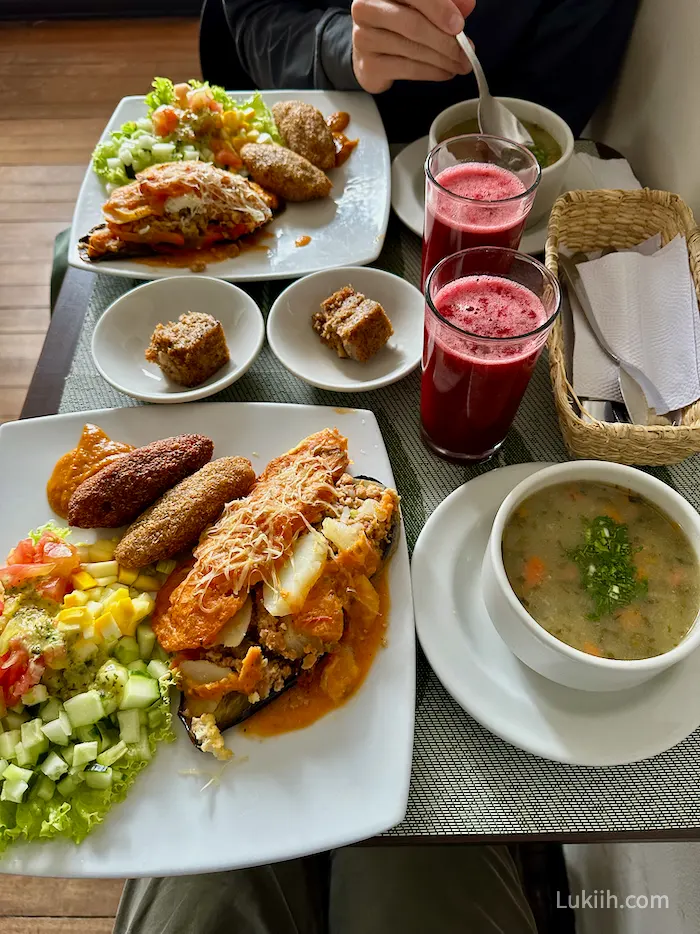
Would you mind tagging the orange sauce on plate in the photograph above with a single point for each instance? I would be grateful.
(337, 124)
(93, 452)
(306, 701)
(304, 240)
(198, 260)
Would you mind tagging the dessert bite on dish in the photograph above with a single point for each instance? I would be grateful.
(189, 350)
(352, 324)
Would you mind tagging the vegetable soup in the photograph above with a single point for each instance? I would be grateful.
(602, 569)
(545, 148)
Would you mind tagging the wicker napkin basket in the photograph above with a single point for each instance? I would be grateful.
(590, 220)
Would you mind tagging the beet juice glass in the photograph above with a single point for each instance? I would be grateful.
(488, 313)
(478, 192)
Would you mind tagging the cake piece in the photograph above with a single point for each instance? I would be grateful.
(353, 325)
(189, 350)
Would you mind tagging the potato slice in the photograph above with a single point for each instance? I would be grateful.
(297, 576)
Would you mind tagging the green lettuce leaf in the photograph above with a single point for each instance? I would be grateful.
(74, 817)
(163, 93)
(59, 530)
(264, 121)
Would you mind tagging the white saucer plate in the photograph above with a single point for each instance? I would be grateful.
(297, 346)
(124, 332)
(408, 196)
(488, 681)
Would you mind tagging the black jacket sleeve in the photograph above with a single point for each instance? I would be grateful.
(292, 43)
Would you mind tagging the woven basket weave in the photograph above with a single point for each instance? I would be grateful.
(591, 220)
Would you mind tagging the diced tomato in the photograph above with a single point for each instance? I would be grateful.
(53, 588)
(18, 673)
(14, 575)
(63, 557)
(200, 99)
(181, 92)
(215, 106)
(165, 120)
(24, 552)
(51, 557)
(228, 158)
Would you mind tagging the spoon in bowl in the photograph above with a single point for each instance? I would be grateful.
(494, 117)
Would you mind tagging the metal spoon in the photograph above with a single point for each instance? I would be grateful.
(494, 117)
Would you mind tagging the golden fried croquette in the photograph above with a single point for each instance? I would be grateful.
(306, 132)
(120, 491)
(285, 173)
(180, 516)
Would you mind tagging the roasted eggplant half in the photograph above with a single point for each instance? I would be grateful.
(287, 627)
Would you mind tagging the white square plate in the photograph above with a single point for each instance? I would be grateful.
(346, 229)
(341, 780)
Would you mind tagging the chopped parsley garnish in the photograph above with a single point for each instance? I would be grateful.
(606, 567)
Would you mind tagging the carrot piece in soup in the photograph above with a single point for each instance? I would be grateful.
(534, 571)
(677, 576)
(592, 649)
(630, 619)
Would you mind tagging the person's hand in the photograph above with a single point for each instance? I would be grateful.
(411, 40)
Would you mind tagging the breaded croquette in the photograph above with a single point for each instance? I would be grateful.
(180, 516)
(285, 173)
(121, 491)
(306, 132)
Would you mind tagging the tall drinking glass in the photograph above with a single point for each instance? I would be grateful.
(478, 192)
(488, 313)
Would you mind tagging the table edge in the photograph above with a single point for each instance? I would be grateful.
(46, 387)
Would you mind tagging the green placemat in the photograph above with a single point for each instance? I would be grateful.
(465, 780)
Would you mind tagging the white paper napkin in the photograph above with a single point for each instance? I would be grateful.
(647, 309)
(589, 173)
(595, 374)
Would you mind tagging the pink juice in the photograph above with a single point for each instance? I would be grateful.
(487, 219)
(471, 388)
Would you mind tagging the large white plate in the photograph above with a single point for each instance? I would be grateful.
(346, 229)
(488, 681)
(408, 196)
(341, 780)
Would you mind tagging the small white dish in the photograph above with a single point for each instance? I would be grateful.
(482, 674)
(124, 332)
(297, 346)
(536, 647)
(408, 196)
(552, 177)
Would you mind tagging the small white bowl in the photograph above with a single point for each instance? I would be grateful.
(124, 331)
(297, 346)
(552, 179)
(536, 647)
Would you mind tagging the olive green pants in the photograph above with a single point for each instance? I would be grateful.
(359, 890)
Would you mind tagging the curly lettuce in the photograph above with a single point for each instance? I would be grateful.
(76, 816)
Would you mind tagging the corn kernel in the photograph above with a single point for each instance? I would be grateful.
(126, 576)
(252, 135)
(120, 592)
(248, 113)
(77, 614)
(230, 120)
(75, 598)
(83, 581)
(124, 614)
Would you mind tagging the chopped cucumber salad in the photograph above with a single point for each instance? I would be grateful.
(185, 121)
(72, 743)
